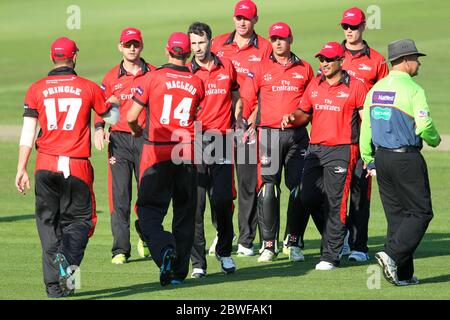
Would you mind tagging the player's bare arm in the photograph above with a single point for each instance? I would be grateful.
(101, 135)
(132, 118)
(297, 118)
(26, 144)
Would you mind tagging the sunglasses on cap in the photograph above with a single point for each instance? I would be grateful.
(322, 59)
(345, 26)
(128, 44)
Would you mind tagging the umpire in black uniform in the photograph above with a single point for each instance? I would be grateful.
(396, 120)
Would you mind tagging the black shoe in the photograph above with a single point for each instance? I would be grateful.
(54, 291)
(166, 271)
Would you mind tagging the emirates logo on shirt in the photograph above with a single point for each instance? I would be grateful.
(112, 160)
(267, 77)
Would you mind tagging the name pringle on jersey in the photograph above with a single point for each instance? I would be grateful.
(61, 89)
(181, 85)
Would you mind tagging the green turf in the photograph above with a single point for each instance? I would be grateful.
(22, 279)
(28, 28)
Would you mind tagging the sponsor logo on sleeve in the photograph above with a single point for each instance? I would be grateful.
(250, 74)
(139, 90)
(423, 114)
(103, 87)
(383, 97)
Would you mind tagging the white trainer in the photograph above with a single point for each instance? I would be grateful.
(198, 273)
(212, 248)
(267, 256)
(244, 252)
(325, 265)
(358, 256)
(227, 264)
(296, 254)
(389, 267)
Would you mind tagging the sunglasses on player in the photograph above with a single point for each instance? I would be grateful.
(322, 59)
(345, 26)
(128, 44)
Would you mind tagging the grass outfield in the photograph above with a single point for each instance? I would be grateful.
(20, 265)
(28, 28)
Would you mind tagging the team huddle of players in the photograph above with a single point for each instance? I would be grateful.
(254, 95)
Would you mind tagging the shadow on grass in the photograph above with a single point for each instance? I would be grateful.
(17, 218)
(438, 279)
(280, 267)
(432, 245)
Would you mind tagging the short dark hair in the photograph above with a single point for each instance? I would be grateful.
(179, 56)
(62, 61)
(200, 29)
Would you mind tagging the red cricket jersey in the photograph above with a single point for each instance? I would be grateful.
(367, 65)
(171, 95)
(276, 88)
(216, 109)
(62, 102)
(244, 59)
(334, 109)
(120, 83)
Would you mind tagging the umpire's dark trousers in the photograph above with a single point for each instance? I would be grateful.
(160, 183)
(325, 189)
(215, 179)
(405, 193)
(124, 153)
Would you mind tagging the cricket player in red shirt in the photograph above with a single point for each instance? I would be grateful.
(276, 86)
(369, 66)
(332, 103)
(124, 150)
(171, 95)
(65, 201)
(245, 49)
(215, 173)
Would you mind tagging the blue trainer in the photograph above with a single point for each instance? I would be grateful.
(166, 272)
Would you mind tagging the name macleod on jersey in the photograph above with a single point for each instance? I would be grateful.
(177, 84)
(61, 89)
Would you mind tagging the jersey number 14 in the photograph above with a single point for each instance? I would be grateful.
(181, 112)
